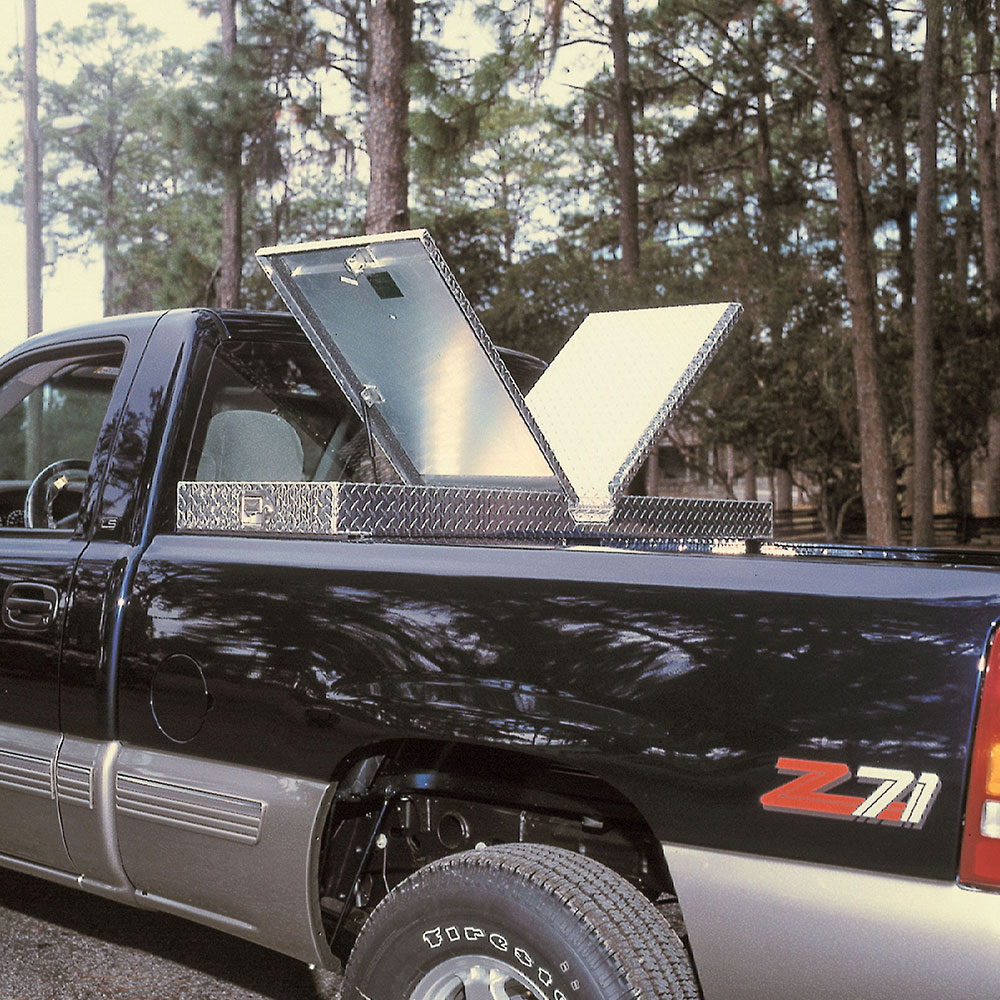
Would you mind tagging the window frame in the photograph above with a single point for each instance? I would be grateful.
(65, 354)
(206, 401)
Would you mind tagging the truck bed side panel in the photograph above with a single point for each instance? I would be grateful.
(679, 679)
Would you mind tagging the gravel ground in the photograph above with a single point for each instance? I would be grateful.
(61, 944)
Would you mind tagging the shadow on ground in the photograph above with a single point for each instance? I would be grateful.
(60, 943)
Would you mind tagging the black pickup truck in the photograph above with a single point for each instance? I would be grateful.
(339, 631)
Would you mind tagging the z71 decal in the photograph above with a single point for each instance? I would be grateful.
(900, 798)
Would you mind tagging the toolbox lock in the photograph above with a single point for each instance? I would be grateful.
(254, 510)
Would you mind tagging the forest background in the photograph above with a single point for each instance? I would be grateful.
(831, 164)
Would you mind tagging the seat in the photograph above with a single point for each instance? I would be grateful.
(250, 446)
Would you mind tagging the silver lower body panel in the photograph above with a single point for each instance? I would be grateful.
(227, 846)
(786, 930)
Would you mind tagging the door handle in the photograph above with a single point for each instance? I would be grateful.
(30, 607)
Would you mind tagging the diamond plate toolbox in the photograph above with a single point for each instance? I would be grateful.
(400, 511)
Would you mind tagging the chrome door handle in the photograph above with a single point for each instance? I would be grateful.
(30, 607)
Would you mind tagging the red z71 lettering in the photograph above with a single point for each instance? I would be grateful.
(900, 798)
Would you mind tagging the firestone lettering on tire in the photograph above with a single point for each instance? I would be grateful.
(437, 936)
(900, 798)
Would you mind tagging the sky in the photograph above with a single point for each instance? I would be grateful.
(71, 286)
(71, 291)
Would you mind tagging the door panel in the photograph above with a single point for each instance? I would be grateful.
(31, 562)
(53, 407)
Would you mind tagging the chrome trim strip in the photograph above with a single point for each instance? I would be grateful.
(786, 930)
(25, 772)
(189, 808)
(75, 783)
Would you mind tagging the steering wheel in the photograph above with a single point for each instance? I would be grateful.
(68, 474)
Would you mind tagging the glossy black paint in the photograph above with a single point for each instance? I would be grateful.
(29, 659)
(678, 679)
(136, 446)
(30, 663)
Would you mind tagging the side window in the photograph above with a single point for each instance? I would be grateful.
(272, 412)
(51, 414)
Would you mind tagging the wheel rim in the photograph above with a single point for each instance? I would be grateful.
(475, 977)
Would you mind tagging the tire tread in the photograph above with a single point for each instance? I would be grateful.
(650, 958)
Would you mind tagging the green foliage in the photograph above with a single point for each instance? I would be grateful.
(457, 106)
(516, 176)
(229, 98)
(115, 182)
(966, 350)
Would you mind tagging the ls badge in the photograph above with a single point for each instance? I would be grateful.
(900, 798)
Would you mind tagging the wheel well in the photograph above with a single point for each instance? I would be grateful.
(399, 806)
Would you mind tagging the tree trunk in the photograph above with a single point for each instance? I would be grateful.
(111, 283)
(628, 184)
(990, 217)
(963, 184)
(114, 293)
(763, 172)
(232, 195)
(387, 129)
(878, 481)
(32, 172)
(653, 472)
(783, 502)
(33, 228)
(750, 480)
(926, 275)
(897, 144)
(963, 500)
(965, 220)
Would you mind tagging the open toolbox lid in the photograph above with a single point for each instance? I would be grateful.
(398, 335)
(391, 323)
(603, 402)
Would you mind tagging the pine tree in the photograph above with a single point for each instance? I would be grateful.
(878, 481)
(925, 282)
(387, 129)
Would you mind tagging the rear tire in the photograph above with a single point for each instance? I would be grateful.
(517, 922)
